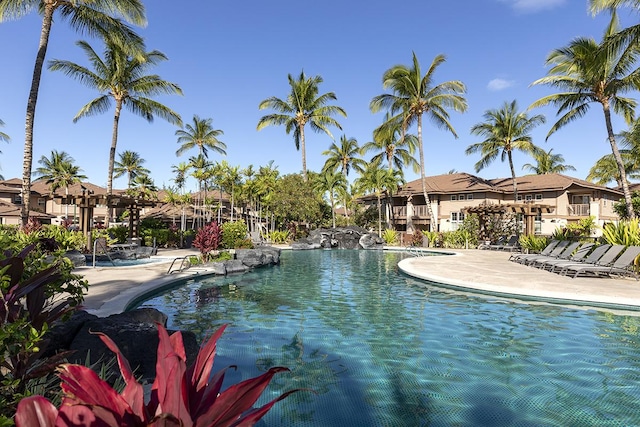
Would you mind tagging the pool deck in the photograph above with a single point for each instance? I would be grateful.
(477, 271)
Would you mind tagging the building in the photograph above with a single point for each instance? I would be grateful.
(544, 202)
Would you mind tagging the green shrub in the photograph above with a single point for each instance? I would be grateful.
(390, 236)
(624, 233)
(434, 238)
(278, 236)
(119, 233)
(222, 256)
(233, 233)
(532, 243)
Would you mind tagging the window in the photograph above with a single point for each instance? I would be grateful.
(457, 218)
(519, 197)
(538, 196)
(41, 201)
(528, 197)
(17, 199)
(454, 197)
(469, 196)
(461, 197)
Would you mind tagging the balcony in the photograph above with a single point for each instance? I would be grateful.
(419, 211)
(578, 210)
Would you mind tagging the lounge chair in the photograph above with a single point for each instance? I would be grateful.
(500, 242)
(619, 267)
(512, 244)
(556, 250)
(565, 255)
(592, 259)
(577, 256)
(546, 251)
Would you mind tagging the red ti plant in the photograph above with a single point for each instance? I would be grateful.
(208, 238)
(179, 396)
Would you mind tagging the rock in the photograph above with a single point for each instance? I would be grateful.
(218, 268)
(77, 258)
(61, 334)
(259, 257)
(134, 332)
(341, 238)
(235, 266)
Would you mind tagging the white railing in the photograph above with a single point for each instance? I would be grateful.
(578, 210)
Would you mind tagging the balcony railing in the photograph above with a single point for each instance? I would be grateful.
(419, 211)
(578, 210)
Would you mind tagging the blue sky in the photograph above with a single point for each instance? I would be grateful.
(229, 56)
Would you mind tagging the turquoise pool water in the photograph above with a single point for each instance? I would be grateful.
(382, 349)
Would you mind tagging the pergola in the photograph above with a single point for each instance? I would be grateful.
(528, 210)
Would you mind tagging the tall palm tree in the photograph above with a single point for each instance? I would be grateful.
(231, 182)
(143, 187)
(414, 95)
(625, 36)
(344, 157)
(303, 105)
(547, 163)
(505, 130)
(379, 181)
(123, 79)
(589, 72)
(330, 182)
(59, 171)
(202, 135)
(93, 17)
(130, 163)
(392, 146)
(181, 170)
(200, 164)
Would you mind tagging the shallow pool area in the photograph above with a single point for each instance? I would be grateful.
(382, 349)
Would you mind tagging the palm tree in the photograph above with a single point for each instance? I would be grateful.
(181, 170)
(331, 182)
(586, 72)
(344, 157)
(414, 95)
(202, 135)
(547, 163)
(143, 187)
(625, 36)
(606, 169)
(391, 146)
(231, 181)
(303, 105)
(379, 181)
(94, 17)
(130, 163)
(122, 78)
(505, 130)
(200, 164)
(59, 171)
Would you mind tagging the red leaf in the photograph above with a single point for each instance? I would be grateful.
(178, 345)
(199, 372)
(254, 415)
(170, 382)
(83, 386)
(133, 392)
(210, 394)
(36, 411)
(73, 414)
(237, 399)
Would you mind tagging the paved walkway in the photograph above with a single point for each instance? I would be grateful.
(490, 272)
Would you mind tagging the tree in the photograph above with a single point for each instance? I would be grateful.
(605, 170)
(331, 182)
(143, 187)
(547, 163)
(123, 78)
(231, 181)
(202, 135)
(414, 95)
(59, 171)
(505, 130)
(589, 72)
(392, 146)
(379, 181)
(200, 164)
(130, 163)
(303, 105)
(93, 17)
(625, 36)
(293, 200)
(343, 158)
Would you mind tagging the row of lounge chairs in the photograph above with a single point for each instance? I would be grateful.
(583, 259)
(511, 245)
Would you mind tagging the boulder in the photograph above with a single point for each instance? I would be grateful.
(77, 258)
(235, 266)
(259, 257)
(341, 238)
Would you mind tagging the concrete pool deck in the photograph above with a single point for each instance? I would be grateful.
(111, 290)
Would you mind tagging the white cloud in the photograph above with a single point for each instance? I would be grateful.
(532, 6)
(500, 84)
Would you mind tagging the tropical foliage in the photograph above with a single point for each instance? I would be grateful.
(547, 163)
(623, 233)
(200, 134)
(180, 396)
(302, 106)
(208, 239)
(234, 235)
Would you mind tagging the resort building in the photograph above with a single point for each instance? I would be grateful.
(544, 202)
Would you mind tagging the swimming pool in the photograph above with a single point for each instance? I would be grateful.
(383, 349)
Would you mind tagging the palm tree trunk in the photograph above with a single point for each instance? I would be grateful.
(304, 153)
(112, 158)
(66, 205)
(513, 177)
(616, 155)
(333, 209)
(47, 20)
(379, 216)
(427, 200)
